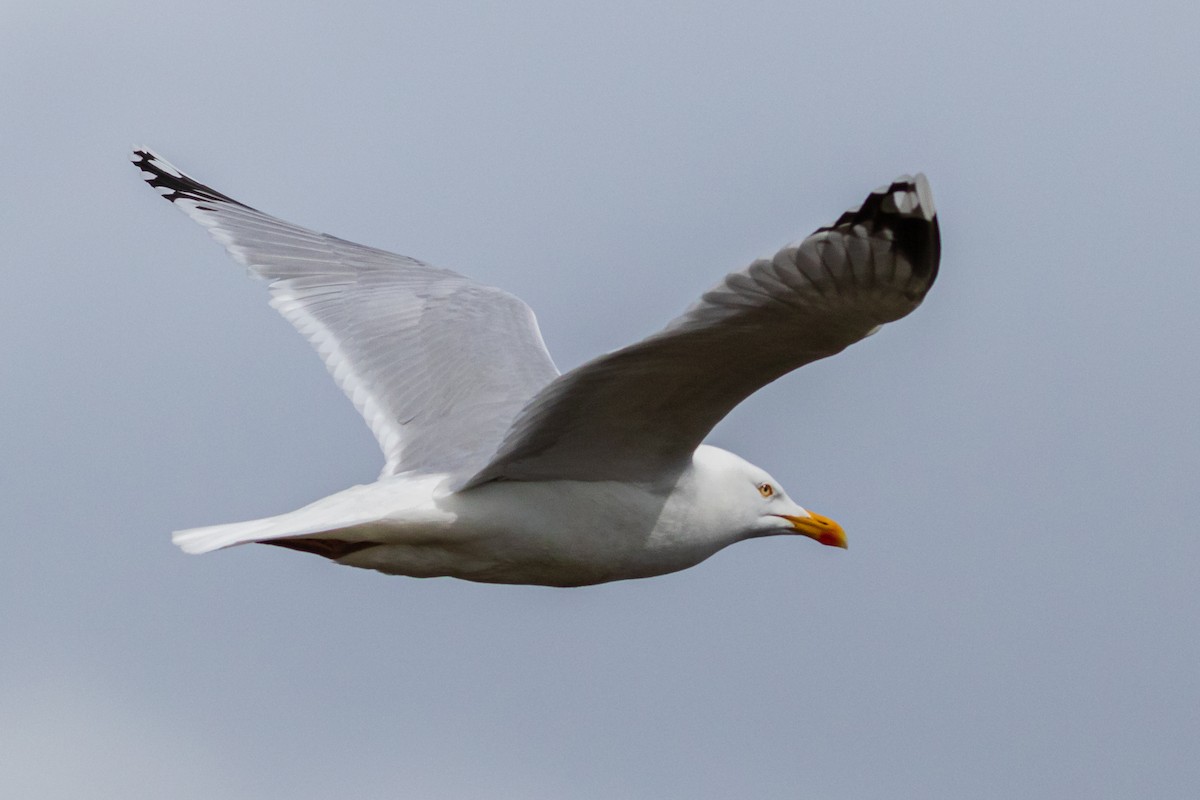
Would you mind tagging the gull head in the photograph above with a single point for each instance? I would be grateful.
(754, 503)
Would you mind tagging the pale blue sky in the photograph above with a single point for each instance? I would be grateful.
(1015, 464)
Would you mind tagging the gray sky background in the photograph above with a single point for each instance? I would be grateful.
(1015, 464)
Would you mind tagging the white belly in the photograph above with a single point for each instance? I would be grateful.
(555, 534)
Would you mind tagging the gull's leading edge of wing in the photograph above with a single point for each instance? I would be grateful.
(640, 412)
(437, 365)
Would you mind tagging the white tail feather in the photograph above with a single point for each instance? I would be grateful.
(217, 537)
(337, 515)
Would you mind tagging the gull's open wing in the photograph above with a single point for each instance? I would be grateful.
(437, 365)
(638, 413)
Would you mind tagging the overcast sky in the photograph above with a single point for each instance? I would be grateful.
(1015, 464)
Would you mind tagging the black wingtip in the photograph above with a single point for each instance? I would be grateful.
(172, 183)
(904, 208)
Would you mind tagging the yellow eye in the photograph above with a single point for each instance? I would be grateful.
(766, 489)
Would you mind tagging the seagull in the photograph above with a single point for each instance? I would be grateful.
(498, 468)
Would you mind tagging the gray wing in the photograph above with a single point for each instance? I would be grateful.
(437, 365)
(639, 413)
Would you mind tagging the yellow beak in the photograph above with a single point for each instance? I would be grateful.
(823, 529)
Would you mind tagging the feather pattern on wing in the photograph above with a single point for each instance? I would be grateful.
(637, 414)
(437, 364)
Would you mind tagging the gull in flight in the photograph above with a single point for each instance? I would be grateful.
(501, 470)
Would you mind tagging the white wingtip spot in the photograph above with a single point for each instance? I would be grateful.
(145, 154)
(909, 202)
(925, 196)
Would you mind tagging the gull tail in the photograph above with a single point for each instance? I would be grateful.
(218, 537)
(281, 531)
(347, 516)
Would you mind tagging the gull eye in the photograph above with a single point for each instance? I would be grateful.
(766, 489)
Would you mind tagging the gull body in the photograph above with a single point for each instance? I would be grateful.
(500, 469)
(553, 533)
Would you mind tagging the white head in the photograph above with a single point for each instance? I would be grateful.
(746, 499)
